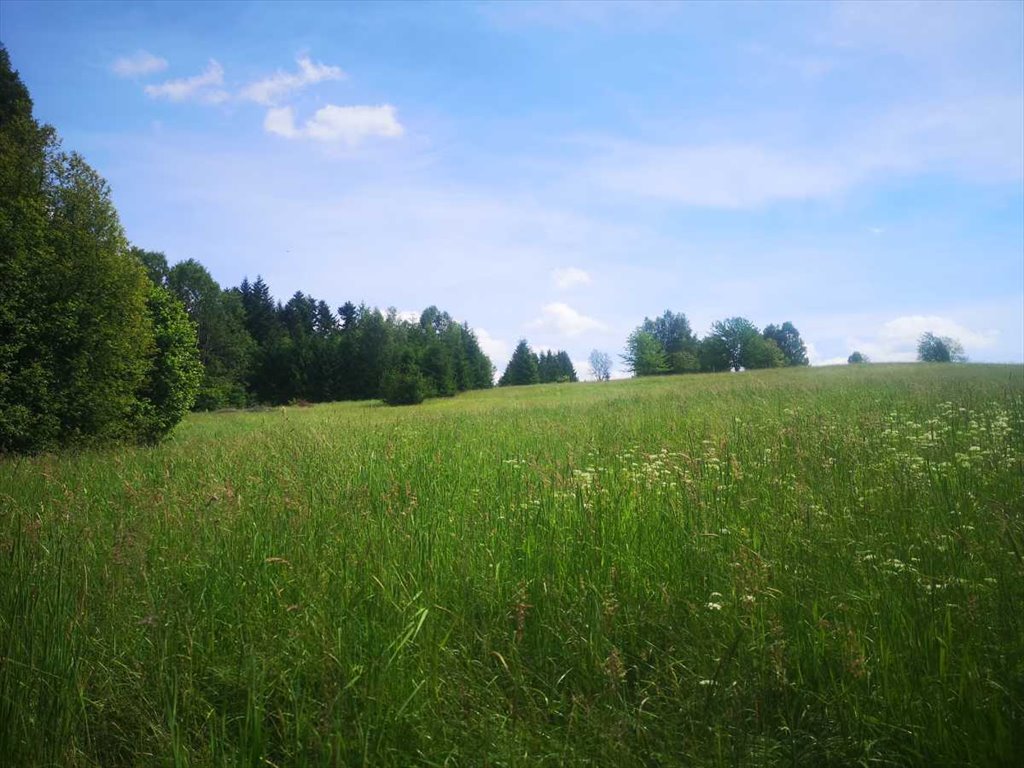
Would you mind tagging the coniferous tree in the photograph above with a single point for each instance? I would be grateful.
(522, 368)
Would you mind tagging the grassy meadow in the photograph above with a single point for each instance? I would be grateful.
(818, 567)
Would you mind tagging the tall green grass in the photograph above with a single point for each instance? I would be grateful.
(800, 567)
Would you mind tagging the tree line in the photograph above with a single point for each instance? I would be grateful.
(258, 350)
(101, 341)
(528, 367)
(667, 344)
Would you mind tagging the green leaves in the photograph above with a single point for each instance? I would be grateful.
(79, 362)
(935, 349)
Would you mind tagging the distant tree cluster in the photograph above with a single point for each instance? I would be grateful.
(930, 349)
(527, 367)
(257, 350)
(667, 344)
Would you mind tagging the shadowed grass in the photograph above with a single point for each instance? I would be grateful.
(799, 567)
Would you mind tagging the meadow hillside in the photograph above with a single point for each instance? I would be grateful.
(787, 567)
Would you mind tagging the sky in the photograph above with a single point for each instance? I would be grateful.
(559, 171)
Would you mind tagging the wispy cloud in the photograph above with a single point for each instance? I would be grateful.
(137, 64)
(896, 340)
(903, 332)
(563, 320)
(567, 277)
(202, 87)
(716, 176)
(975, 138)
(271, 90)
(332, 123)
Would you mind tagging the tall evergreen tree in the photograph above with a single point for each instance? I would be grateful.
(522, 368)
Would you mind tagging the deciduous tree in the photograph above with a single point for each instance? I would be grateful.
(939, 349)
(600, 365)
(787, 337)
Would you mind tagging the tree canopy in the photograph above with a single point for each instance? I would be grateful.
(939, 349)
(788, 340)
(667, 344)
(90, 351)
(522, 367)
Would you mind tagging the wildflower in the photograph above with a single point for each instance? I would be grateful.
(714, 606)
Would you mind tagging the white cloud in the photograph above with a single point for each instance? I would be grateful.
(409, 316)
(496, 349)
(564, 320)
(907, 330)
(915, 29)
(567, 277)
(280, 121)
(333, 123)
(139, 63)
(271, 89)
(200, 87)
(896, 340)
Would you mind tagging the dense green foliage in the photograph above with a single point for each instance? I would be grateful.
(527, 367)
(175, 372)
(303, 351)
(856, 358)
(667, 344)
(677, 341)
(814, 567)
(79, 362)
(939, 349)
(522, 367)
(644, 354)
(555, 367)
(225, 346)
(735, 344)
(788, 340)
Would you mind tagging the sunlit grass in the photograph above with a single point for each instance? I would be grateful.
(802, 567)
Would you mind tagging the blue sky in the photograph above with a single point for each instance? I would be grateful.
(557, 171)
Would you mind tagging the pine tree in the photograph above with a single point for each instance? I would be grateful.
(522, 368)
